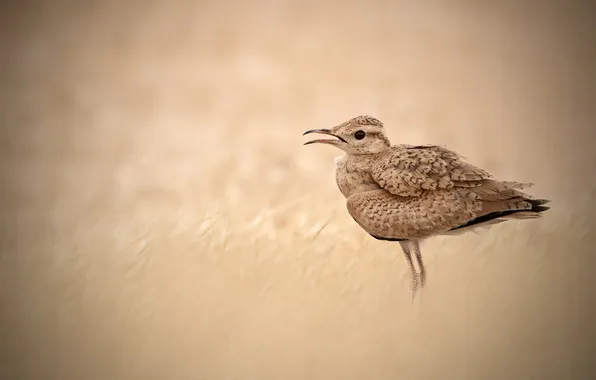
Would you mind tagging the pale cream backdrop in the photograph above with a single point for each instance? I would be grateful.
(162, 220)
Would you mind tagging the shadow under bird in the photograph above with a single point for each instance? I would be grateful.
(408, 193)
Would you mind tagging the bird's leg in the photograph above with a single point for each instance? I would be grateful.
(416, 248)
(406, 248)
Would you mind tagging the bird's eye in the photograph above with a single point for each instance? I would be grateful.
(359, 135)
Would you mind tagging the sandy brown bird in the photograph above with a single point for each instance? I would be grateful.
(408, 193)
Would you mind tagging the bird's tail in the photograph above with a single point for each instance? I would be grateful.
(502, 201)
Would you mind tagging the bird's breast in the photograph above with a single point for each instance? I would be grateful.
(352, 179)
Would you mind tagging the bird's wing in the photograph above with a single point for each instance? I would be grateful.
(388, 216)
(408, 171)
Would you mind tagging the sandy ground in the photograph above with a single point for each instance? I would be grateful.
(162, 220)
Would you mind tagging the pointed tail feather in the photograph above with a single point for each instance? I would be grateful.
(533, 213)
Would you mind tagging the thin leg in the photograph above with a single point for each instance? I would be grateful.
(406, 248)
(416, 248)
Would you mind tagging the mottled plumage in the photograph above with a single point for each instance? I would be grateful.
(408, 193)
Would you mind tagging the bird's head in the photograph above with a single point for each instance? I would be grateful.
(360, 135)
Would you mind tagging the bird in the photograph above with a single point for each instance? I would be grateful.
(408, 193)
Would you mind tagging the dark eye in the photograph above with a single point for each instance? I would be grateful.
(359, 135)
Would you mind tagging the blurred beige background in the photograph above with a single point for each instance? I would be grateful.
(161, 219)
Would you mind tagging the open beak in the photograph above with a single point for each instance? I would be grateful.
(334, 141)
